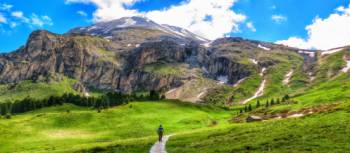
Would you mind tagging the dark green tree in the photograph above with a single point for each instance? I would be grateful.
(278, 101)
(257, 104)
(267, 104)
(272, 102)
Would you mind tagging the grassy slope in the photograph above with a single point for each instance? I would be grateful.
(284, 62)
(52, 129)
(37, 90)
(325, 132)
(289, 135)
(330, 85)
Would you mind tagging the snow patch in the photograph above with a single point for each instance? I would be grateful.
(287, 77)
(129, 45)
(347, 67)
(170, 30)
(263, 70)
(312, 78)
(258, 93)
(200, 38)
(137, 45)
(331, 51)
(92, 28)
(223, 79)
(128, 22)
(108, 37)
(201, 94)
(310, 54)
(254, 61)
(205, 70)
(238, 82)
(172, 90)
(207, 45)
(263, 47)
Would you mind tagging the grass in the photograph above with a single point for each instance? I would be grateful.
(53, 129)
(36, 90)
(326, 132)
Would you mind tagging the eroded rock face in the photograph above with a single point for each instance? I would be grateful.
(46, 53)
(110, 65)
(222, 66)
(152, 52)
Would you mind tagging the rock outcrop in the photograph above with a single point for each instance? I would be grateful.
(113, 56)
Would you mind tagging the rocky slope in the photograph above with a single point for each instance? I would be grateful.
(136, 54)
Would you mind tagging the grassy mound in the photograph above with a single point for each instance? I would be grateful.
(37, 90)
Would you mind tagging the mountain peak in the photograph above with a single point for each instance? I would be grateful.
(110, 28)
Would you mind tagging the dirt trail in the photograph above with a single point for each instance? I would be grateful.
(159, 147)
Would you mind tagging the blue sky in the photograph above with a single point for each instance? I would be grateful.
(267, 20)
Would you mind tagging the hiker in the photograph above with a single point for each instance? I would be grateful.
(160, 132)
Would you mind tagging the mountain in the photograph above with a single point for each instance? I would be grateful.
(136, 54)
(116, 28)
(92, 89)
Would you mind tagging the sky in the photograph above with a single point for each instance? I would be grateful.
(307, 24)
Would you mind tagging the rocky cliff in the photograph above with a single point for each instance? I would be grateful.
(115, 56)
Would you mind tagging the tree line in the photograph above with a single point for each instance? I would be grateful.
(104, 101)
(267, 104)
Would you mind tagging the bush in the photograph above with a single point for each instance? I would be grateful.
(8, 116)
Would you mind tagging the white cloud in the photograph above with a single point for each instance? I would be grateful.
(278, 18)
(3, 18)
(110, 9)
(251, 26)
(190, 14)
(193, 14)
(82, 13)
(18, 14)
(5, 6)
(40, 20)
(327, 33)
(295, 42)
(33, 20)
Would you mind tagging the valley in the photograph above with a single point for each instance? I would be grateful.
(107, 87)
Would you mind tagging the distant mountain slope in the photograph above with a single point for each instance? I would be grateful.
(137, 54)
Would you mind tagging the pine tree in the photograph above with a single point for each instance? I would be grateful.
(286, 97)
(245, 109)
(250, 107)
(257, 104)
(272, 102)
(278, 101)
(267, 104)
(241, 111)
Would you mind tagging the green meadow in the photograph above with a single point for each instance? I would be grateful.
(55, 129)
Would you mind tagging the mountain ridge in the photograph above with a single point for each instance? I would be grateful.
(136, 58)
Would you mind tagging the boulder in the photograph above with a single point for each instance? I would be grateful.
(253, 118)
